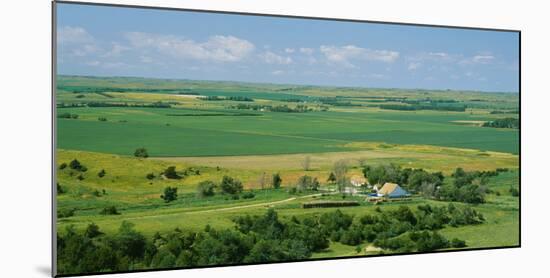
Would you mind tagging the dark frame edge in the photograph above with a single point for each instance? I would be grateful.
(53, 140)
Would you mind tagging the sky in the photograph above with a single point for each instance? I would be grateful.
(115, 41)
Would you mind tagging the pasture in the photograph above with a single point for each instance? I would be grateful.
(211, 139)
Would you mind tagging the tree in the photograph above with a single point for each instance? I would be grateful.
(170, 173)
(306, 163)
(110, 210)
(101, 173)
(62, 166)
(205, 189)
(130, 242)
(340, 170)
(170, 194)
(303, 183)
(331, 178)
(60, 189)
(458, 243)
(92, 231)
(230, 185)
(75, 165)
(262, 180)
(141, 152)
(277, 180)
(150, 176)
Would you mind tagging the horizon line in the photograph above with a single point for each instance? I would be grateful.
(293, 84)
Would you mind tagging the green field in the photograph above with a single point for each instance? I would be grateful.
(209, 139)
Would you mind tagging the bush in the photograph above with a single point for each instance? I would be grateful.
(230, 185)
(63, 213)
(101, 173)
(514, 191)
(60, 189)
(67, 116)
(277, 180)
(102, 119)
(331, 178)
(110, 210)
(205, 189)
(170, 194)
(141, 152)
(75, 165)
(150, 176)
(457, 243)
(429, 241)
(92, 231)
(248, 195)
(62, 166)
(170, 173)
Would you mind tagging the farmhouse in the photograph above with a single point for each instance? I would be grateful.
(392, 190)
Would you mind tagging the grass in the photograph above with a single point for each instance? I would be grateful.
(138, 201)
(209, 137)
(269, 133)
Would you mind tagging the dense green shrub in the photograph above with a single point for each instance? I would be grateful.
(205, 189)
(170, 194)
(141, 152)
(230, 185)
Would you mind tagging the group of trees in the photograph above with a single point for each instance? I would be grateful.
(232, 98)
(300, 108)
(503, 123)
(67, 116)
(467, 187)
(307, 183)
(257, 239)
(228, 185)
(415, 107)
(414, 180)
(171, 173)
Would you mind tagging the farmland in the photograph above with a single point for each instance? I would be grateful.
(251, 132)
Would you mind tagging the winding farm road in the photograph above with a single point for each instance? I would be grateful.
(266, 204)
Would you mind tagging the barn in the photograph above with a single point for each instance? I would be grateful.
(392, 190)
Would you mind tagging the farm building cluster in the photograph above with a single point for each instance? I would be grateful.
(379, 192)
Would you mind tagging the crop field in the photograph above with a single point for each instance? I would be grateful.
(247, 134)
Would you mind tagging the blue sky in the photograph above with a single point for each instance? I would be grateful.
(112, 41)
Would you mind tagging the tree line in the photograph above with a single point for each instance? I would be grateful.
(430, 106)
(503, 123)
(259, 239)
(468, 187)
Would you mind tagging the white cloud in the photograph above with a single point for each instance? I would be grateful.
(289, 50)
(217, 48)
(479, 59)
(277, 72)
(439, 55)
(272, 58)
(70, 34)
(307, 51)
(93, 63)
(483, 59)
(414, 66)
(345, 54)
(75, 41)
(116, 50)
